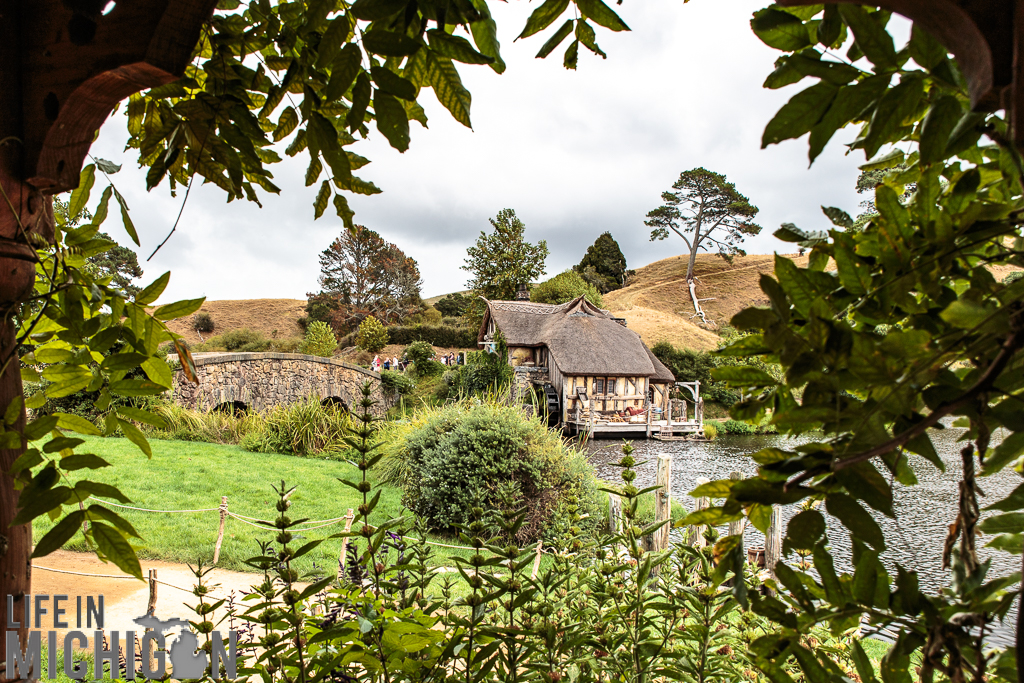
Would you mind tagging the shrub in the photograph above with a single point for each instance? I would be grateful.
(710, 430)
(396, 383)
(565, 287)
(372, 335)
(452, 305)
(737, 427)
(427, 316)
(420, 351)
(445, 457)
(482, 373)
(239, 340)
(203, 322)
(319, 340)
(445, 335)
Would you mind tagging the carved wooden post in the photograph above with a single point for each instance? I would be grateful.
(697, 532)
(63, 67)
(663, 501)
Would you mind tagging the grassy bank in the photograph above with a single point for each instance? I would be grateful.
(187, 475)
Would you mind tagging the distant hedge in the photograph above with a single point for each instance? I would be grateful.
(444, 336)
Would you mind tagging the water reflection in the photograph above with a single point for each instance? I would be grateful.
(914, 539)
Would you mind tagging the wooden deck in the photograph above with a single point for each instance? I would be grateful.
(660, 429)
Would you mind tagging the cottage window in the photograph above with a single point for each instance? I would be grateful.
(598, 386)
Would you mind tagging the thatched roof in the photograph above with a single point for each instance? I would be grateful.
(582, 338)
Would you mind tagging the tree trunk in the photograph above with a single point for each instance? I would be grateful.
(15, 542)
(690, 282)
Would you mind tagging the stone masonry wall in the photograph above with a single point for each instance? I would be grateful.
(264, 380)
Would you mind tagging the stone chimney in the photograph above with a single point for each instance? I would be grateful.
(523, 294)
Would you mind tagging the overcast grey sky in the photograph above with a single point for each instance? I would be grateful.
(574, 153)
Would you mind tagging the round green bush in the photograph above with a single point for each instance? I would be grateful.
(319, 340)
(563, 288)
(372, 335)
(444, 458)
(203, 322)
(420, 351)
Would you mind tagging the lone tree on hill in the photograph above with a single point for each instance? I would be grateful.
(708, 208)
(604, 264)
(503, 260)
(362, 274)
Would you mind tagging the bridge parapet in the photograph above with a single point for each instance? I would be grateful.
(264, 380)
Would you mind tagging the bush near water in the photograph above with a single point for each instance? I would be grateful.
(444, 457)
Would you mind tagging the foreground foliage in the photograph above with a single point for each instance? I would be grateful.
(910, 328)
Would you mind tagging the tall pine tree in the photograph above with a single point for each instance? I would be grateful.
(604, 264)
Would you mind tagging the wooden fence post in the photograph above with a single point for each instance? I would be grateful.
(736, 527)
(696, 534)
(663, 501)
(150, 653)
(536, 560)
(220, 531)
(773, 541)
(344, 542)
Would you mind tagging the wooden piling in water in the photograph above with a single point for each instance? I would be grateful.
(663, 501)
(614, 513)
(773, 541)
(697, 532)
(736, 527)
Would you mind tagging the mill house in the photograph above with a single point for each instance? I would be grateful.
(593, 373)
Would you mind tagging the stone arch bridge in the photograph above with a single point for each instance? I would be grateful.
(258, 381)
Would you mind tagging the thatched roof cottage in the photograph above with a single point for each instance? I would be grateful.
(596, 373)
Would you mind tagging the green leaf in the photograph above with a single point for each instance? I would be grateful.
(126, 218)
(347, 65)
(865, 669)
(553, 42)
(453, 47)
(133, 434)
(84, 489)
(76, 423)
(925, 49)
(1014, 501)
(1005, 453)
(40, 427)
(136, 387)
(585, 34)
(288, 121)
(152, 292)
(40, 502)
(800, 114)
(805, 528)
(441, 75)
(602, 14)
(572, 54)
(851, 103)
(343, 210)
(1009, 523)
(158, 371)
(108, 167)
(80, 461)
(322, 197)
(485, 35)
(115, 548)
(60, 534)
(336, 35)
(392, 83)
(66, 388)
(140, 415)
(870, 35)
(863, 481)
(744, 375)
(80, 196)
(856, 519)
(719, 488)
(838, 217)
(99, 512)
(374, 10)
(390, 43)
(391, 120)
(893, 111)
(890, 159)
(360, 101)
(780, 30)
(966, 314)
(937, 127)
(543, 16)
(178, 309)
(123, 361)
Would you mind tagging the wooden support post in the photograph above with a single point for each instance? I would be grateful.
(344, 542)
(150, 653)
(220, 531)
(736, 528)
(614, 513)
(648, 412)
(773, 541)
(536, 560)
(663, 501)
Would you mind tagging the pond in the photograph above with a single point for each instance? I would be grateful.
(914, 539)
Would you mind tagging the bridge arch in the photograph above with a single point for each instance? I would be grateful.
(264, 380)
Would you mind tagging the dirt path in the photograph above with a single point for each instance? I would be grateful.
(124, 597)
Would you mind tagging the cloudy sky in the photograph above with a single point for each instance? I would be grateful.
(574, 153)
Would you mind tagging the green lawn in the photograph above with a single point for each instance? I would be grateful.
(186, 475)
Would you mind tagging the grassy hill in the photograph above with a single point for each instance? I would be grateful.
(657, 302)
(275, 318)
